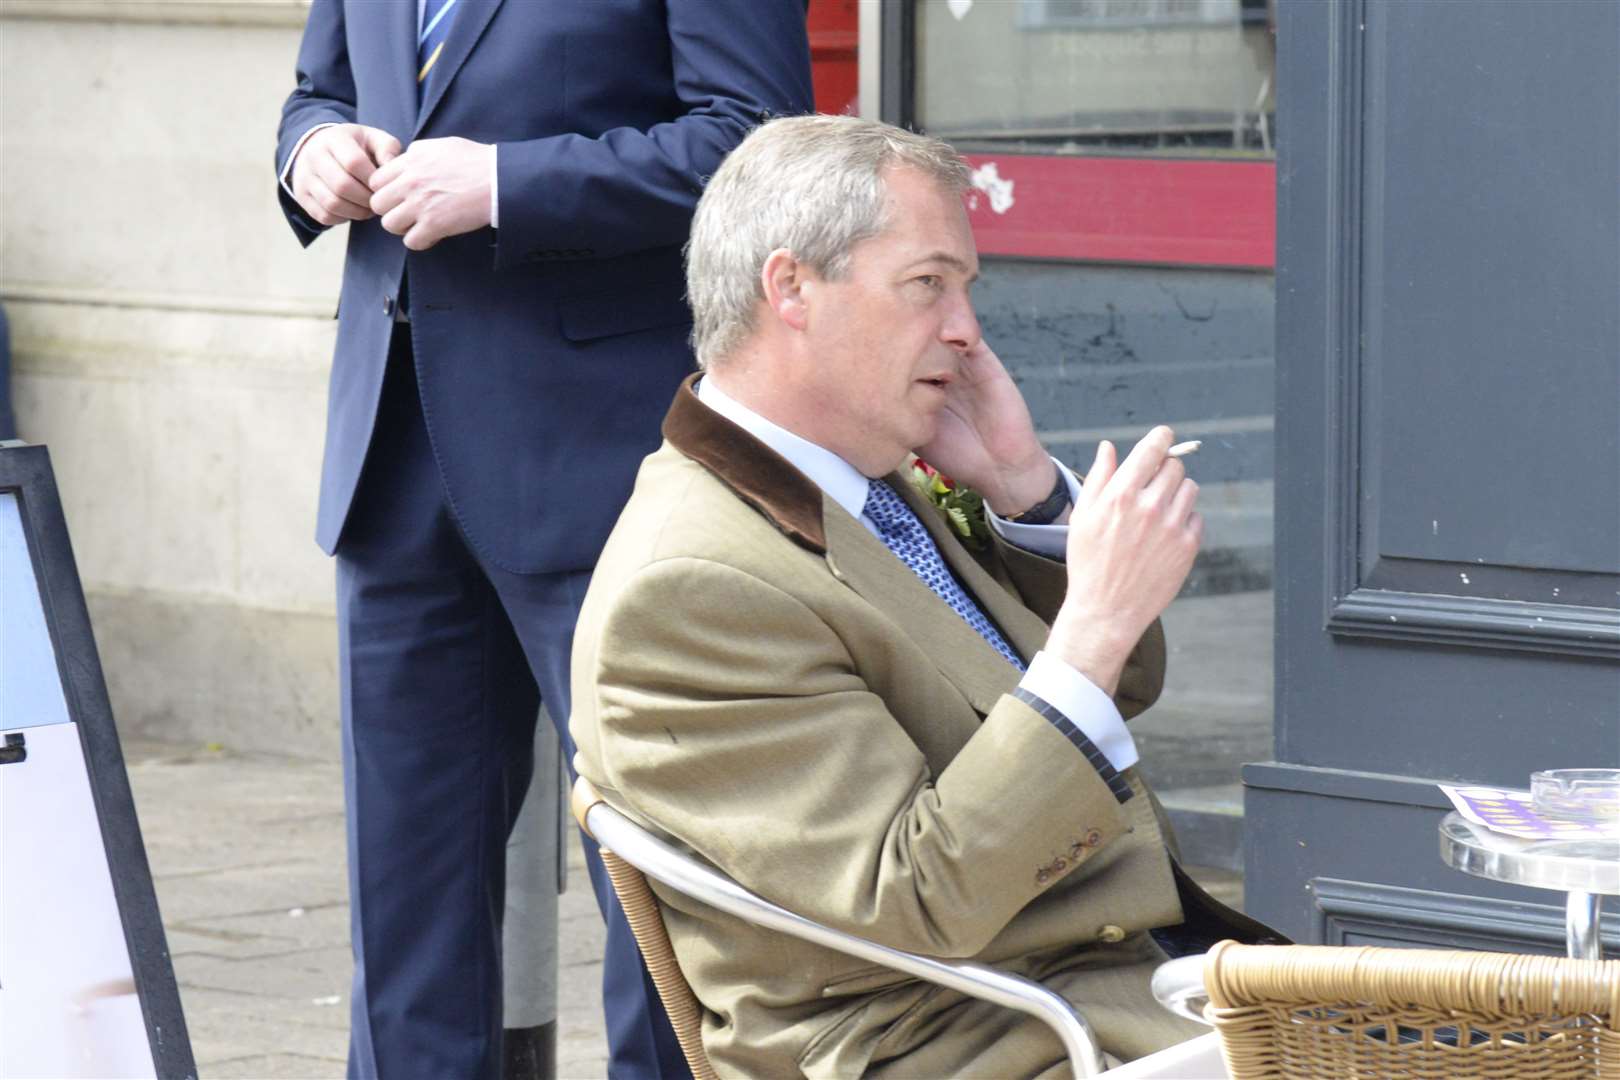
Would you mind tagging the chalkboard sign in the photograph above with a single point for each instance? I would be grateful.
(86, 985)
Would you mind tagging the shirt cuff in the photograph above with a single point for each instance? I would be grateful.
(286, 170)
(1048, 540)
(1085, 715)
(494, 189)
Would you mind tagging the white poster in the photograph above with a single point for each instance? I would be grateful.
(68, 1006)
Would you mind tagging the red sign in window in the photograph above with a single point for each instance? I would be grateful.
(1136, 210)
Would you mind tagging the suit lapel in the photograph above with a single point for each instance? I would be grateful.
(963, 657)
(468, 27)
(399, 39)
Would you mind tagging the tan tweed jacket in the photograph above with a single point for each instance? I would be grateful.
(756, 676)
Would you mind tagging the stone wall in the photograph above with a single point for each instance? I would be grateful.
(170, 343)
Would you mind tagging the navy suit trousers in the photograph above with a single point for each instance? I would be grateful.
(445, 660)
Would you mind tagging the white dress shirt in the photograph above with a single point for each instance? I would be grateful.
(1080, 701)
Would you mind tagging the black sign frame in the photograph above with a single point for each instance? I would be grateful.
(25, 472)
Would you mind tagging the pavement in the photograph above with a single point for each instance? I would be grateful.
(247, 856)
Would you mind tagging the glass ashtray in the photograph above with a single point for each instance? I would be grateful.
(1576, 794)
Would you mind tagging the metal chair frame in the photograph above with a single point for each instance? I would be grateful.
(623, 838)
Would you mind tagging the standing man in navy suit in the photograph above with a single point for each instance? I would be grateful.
(518, 178)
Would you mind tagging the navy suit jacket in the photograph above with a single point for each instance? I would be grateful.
(547, 350)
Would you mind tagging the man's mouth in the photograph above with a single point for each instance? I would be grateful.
(940, 381)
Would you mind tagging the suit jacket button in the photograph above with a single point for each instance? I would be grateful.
(1111, 934)
(1093, 838)
(388, 306)
(1076, 851)
(1042, 876)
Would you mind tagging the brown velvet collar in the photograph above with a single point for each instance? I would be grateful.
(759, 475)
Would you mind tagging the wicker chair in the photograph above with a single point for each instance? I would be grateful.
(1286, 1011)
(631, 853)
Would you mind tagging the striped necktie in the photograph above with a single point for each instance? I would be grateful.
(904, 535)
(436, 19)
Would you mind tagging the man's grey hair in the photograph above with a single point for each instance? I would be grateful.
(810, 184)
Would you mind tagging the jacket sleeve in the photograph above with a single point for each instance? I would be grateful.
(732, 716)
(735, 62)
(324, 95)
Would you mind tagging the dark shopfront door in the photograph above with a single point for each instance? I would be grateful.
(1448, 451)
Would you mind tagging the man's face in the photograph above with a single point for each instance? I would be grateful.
(888, 337)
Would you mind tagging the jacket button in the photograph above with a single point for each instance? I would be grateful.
(1077, 851)
(1093, 838)
(1111, 934)
(388, 306)
(1042, 876)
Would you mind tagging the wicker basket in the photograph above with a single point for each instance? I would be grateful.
(1286, 1011)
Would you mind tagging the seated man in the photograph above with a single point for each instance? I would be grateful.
(791, 664)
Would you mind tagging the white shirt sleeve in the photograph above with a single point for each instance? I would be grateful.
(1084, 705)
(494, 188)
(1048, 540)
(286, 169)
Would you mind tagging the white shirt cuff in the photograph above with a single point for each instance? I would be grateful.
(1049, 540)
(1084, 705)
(286, 169)
(494, 188)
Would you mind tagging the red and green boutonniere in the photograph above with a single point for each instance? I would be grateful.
(963, 507)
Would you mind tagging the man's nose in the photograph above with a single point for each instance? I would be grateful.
(961, 330)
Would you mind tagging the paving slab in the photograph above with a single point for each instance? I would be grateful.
(247, 856)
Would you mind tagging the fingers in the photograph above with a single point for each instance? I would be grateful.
(388, 196)
(389, 192)
(332, 164)
(420, 237)
(388, 172)
(1145, 458)
(1101, 471)
(382, 146)
(1182, 503)
(399, 220)
(1165, 483)
(334, 207)
(332, 173)
(347, 150)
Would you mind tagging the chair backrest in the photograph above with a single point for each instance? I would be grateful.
(1287, 1011)
(647, 924)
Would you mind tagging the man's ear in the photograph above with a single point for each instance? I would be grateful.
(782, 280)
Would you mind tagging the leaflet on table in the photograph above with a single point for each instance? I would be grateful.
(1509, 812)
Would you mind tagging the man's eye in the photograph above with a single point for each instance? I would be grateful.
(931, 281)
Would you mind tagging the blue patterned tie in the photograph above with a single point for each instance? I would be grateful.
(907, 538)
(430, 42)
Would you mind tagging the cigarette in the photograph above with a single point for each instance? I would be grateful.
(1182, 449)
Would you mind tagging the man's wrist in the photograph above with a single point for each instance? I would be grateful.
(1097, 652)
(286, 175)
(1017, 490)
(1049, 509)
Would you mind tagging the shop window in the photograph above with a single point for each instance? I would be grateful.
(1105, 130)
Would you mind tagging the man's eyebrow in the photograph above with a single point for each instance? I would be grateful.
(949, 260)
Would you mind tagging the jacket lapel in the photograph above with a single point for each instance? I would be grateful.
(468, 27)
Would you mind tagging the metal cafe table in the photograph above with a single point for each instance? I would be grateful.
(1587, 870)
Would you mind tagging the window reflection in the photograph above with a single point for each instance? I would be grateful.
(1171, 77)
